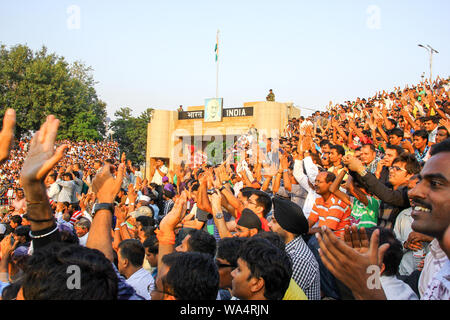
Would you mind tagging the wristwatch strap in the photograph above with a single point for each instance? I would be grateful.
(103, 206)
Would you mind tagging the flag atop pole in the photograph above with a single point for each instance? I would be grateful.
(216, 50)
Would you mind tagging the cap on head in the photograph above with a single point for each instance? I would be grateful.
(249, 220)
(290, 216)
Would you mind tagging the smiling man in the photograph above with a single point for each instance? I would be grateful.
(431, 214)
(431, 211)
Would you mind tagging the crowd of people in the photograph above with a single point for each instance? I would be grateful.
(349, 203)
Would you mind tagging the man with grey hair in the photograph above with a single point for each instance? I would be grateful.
(82, 228)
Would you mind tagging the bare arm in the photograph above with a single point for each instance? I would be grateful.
(106, 188)
(40, 160)
(165, 234)
(220, 223)
(334, 187)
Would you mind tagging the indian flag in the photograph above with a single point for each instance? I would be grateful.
(216, 50)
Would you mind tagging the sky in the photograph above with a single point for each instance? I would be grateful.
(160, 54)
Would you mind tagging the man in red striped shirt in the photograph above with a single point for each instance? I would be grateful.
(76, 216)
(328, 210)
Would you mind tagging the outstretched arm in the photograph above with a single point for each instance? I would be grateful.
(40, 160)
(7, 134)
(166, 234)
(106, 188)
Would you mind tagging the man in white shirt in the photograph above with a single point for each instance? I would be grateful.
(405, 234)
(306, 181)
(131, 256)
(159, 171)
(82, 227)
(53, 188)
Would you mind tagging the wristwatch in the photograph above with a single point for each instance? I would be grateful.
(362, 173)
(103, 206)
(219, 215)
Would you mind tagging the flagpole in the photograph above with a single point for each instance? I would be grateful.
(217, 65)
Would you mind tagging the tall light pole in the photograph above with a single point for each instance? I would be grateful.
(431, 51)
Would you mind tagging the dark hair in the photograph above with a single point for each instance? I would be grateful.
(444, 128)
(434, 119)
(169, 194)
(133, 250)
(227, 248)
(146, 221)
(399, 149)
(421, 133)
(325, 142)
(46, 274)
(273, 237)
(68, 235)
(394, 123)
(397, 132)
(23, 231)
(371, 146)
(270, 263)
(247, 191)
(264, 200)
(201, 241)
(191, 276)
(10, 292)
(152, 244)
(339, 149)
(67, 174)
(412, 165)
(16, 219)
(195, 186)
(394, 253)
(330, 176)
(443, 146)
(149, 231)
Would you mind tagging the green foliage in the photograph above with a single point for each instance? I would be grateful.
(37, 84)
(131, 133)
(216, 151)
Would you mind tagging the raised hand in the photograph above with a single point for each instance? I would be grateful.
(105, 186)
(284, 162)
(216, 201)
(42, 157)
(351, 267)
(357, 239)
(7, 134)
(175, 215)
(353, 163)
(6, 247)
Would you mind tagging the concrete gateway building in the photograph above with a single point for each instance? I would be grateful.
(170, 133)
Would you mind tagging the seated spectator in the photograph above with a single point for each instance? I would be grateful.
(181, 272)
(131, 256)
(263, 271)
(82, 227)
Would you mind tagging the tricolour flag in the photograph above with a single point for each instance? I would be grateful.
(216, 50)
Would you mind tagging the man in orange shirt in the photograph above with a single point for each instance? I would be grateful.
(328, 209)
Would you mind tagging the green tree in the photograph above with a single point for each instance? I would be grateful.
(37, 84)
(131, 133)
